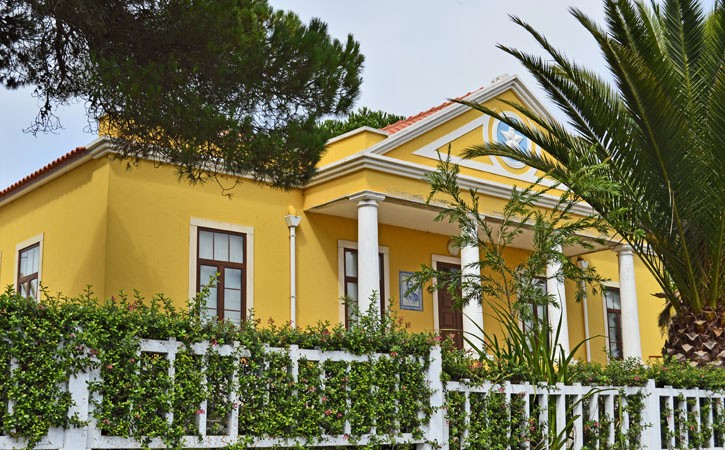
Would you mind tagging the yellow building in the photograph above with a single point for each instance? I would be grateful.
(88, 219)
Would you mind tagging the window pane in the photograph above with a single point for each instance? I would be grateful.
(613, 328)
(350, 263)
(233, 278)
(206, 241)
(23, 264)
(33, 288)
(34, 259)
(221, 247)
(351, 291)
(233, 299)
(613, 301)
(233, 316)
(205, 275)
(210, 313)
(211, 300)
(236, 248)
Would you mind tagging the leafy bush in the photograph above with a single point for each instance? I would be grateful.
(50, 341)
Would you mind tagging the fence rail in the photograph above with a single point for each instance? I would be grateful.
(459, 414)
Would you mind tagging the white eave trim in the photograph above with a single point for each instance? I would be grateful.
(356, 131)
(96, 149)
(415, 171)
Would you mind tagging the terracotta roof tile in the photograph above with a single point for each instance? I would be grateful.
(405, 123)
(39, 174)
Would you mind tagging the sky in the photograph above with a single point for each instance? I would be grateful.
(418, 53)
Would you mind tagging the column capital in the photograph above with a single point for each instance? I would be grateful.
(624, 250)
(367, 198)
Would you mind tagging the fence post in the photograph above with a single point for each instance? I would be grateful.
(76, 438)
(651, 418)
(435, 432)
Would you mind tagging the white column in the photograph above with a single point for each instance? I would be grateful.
(556, 290)
(368, 262)
(631, 344)
(292, 222)
(472, 308)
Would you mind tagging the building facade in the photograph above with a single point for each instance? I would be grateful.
(362, 225)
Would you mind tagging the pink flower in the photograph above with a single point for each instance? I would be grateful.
(328, 412)
(106, 421)
(636, 378)
(132, 360)
(235, 405)
(109, 366)
(339, 415)
(324, 399)
(394, 354)
(200, 412)
(346, 436)
(72, 335)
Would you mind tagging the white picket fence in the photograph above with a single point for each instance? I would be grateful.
(669, 418)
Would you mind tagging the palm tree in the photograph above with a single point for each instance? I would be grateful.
(658, 131)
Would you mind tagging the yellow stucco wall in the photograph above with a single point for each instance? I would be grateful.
(149, 219)
(341, 148)
(70, 213)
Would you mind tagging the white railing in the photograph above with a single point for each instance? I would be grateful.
(519, 415)
(578, 417)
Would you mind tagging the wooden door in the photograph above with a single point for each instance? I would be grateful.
(450, 318)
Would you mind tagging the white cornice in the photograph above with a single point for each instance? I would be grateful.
(415, 171)
(354, 132)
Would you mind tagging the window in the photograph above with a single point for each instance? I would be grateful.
(28, 270)
(614, 322)
(223, 254)
(349, 279)
(536, 318)
(538, 315)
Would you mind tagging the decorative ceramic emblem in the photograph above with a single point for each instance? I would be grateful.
(507, 135)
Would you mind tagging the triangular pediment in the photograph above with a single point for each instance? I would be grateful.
(454, 127)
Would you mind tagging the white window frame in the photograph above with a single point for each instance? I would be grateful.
(435, 259)
(608, 285)
(37, 239)
(352, 245)
(194, 225)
